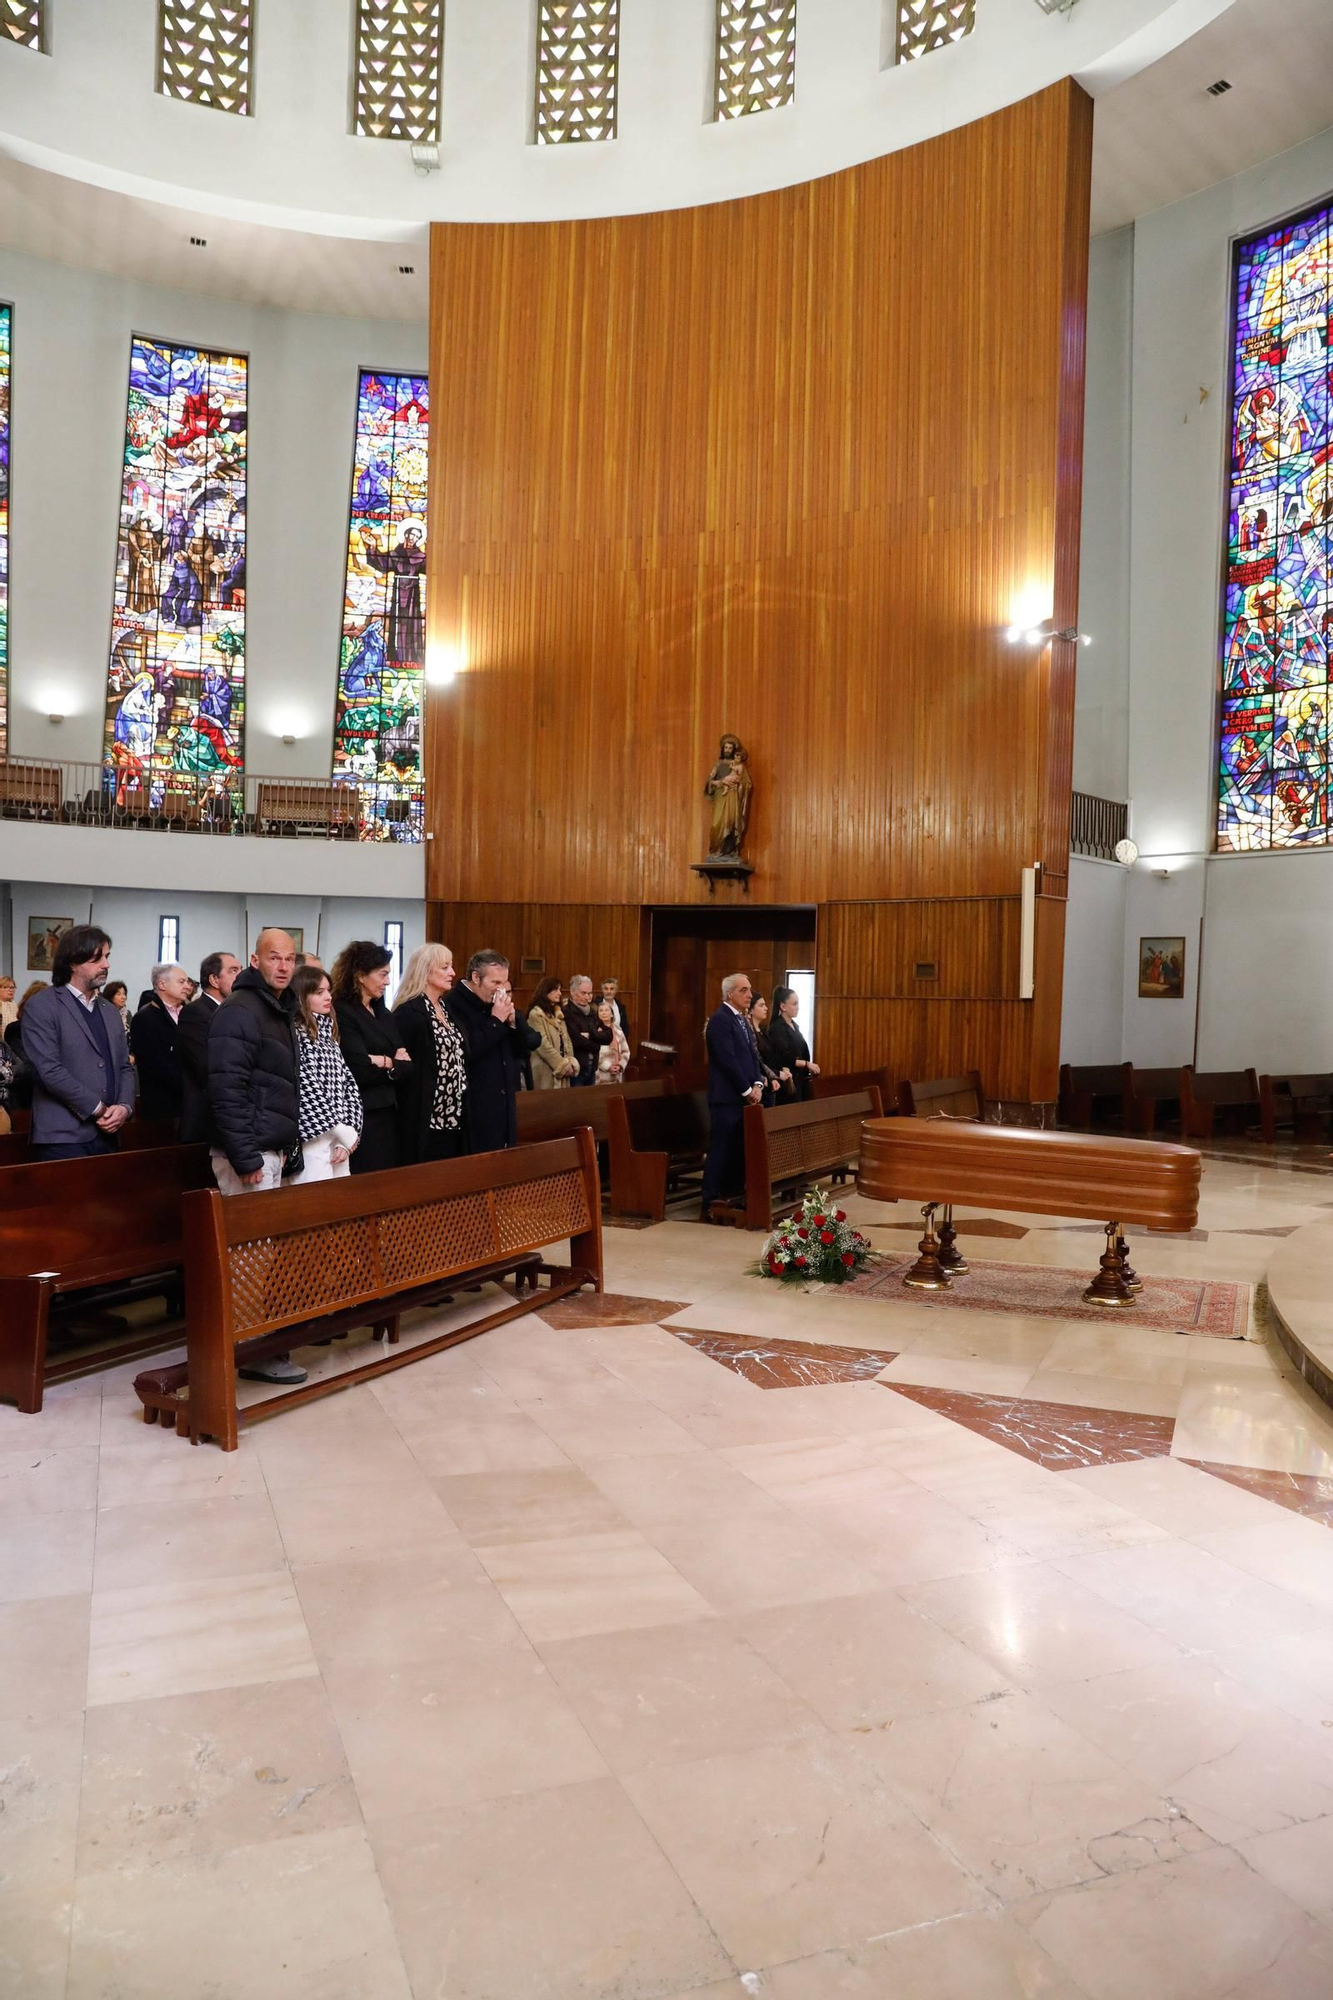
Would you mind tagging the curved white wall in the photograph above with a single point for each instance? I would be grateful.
(90, 109)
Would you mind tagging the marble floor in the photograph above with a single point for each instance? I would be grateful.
(723, 1640)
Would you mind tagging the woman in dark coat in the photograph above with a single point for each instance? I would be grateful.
(372, 1046)
(432, 1097)
(787, 1048)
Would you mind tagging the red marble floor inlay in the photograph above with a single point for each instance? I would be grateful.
(785, 1364)
(609, 1309)
(1169, 1305)
(972, 1225)
(1059, 1436)
(1305, 1493)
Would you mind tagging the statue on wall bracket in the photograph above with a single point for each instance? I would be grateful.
(729, 790)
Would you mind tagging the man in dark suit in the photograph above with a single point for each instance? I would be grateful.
(495, 1041)
(216, 977)
(83, 1084)
(735, 1079)
(153, 1043)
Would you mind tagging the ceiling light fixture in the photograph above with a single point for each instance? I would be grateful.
(1057, 6)
(425, 159)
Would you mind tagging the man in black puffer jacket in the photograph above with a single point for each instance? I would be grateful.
(252, 1090)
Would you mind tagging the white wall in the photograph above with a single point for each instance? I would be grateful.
(1258, 930)
(70, 364)
(1092, 1020)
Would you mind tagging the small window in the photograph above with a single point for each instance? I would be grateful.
(926, 25)
(803, 985)
(577, 62)
(393, 943)
(168, 940)
(756, 56)
(24, 22)
(396, 88)
(203, 53)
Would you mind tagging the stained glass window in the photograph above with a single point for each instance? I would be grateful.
(203, 53)
(175, 706)
(577, 62)
(756, 56)
(4, 528)
(1274, 789)
(924, 25)
(398, 46)
(24, 22)
(377, 730)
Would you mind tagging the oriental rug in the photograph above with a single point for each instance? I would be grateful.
(1036, 1291)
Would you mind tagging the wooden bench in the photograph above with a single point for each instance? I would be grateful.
(297, 1265)
(554, 1114)
(957, 1096)
(655, 1145)
(73, 1226)
(858, 1079)
(1095, 1093)
(1153, 1098)
(1234, 1093)
(789, 1147)
(1041, 1173)
(305, 806)
(139, 1135)
(30, 791)
(1305, 1103)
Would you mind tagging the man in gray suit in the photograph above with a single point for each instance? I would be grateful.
(83, 1086)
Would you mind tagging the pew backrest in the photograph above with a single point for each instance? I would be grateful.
(553, 1114)
(958, 1096)
(112, 1215)
(1292, 1099)
(648, 1139)
(1082, 1084)
(1204, 1093)
(794, 1143)
(858, 1079)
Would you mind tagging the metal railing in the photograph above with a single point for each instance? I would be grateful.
(61, 794)
(1095, 826)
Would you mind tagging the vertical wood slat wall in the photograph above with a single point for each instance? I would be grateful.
(778, 466)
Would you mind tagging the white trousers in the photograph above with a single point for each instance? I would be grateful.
(230, 1182)
(318, 1166)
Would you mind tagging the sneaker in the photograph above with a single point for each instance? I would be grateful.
(278, 1368)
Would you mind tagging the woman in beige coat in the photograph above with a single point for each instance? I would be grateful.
(554, 1065)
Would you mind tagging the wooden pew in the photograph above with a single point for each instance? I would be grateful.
(30, 791)
(295, 1265)
(654, 1145)
(1094, 1092)
(69, 1226)
(140, 1135)
(958, 1096)
(554, 1114)
(859, 1079)
(792, 1145)
(1042, 1173)
(1154, 1098)
(1305, 1103)
(304, 805)
(1203, 1094)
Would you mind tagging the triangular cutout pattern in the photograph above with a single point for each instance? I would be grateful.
(399, 44)
(756, 56)
(925, 25)
(24, 22)
(204, 53)
(578, 48)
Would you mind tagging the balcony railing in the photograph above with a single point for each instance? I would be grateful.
(1096, 825)
(36, 789)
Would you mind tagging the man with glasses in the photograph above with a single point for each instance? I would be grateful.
(83, 1085)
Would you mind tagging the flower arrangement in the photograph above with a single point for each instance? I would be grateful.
(816, 1243)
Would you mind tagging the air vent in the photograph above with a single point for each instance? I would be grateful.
(199, 242)
(407, 270)
(925, 969)
(1220, 88)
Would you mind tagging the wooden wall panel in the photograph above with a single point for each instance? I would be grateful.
(599, 939)
(779, 466)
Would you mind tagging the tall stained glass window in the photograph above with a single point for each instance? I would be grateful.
(5, 317)
(24, 22)
(1274, 789)
(175, 708)
(203, 52)
(924, 25)
(377, 729)
(397, 90)
(756, 56)
(577, 62)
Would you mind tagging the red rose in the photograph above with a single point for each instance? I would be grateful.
(799, 1260)
(848, 1257)
(826, 1235)
(818, 1221)
(775, 1263)
(803, 1234)
(839, 1216)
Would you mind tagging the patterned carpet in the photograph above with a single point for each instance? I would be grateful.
(1171, 1305)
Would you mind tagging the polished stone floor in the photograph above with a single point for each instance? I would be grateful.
(726, 1640)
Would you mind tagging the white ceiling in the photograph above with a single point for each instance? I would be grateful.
(1159, 136)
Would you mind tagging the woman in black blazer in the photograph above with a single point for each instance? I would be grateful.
(787, 1047)
(432, 1098)
(372, 1046)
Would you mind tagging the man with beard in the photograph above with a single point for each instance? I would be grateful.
(83, 1085)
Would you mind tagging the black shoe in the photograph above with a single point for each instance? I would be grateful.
(278, 1368)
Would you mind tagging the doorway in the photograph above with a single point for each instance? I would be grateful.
(694, 949)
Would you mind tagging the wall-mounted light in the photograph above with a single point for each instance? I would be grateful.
(425, 159)
(289, 739)
(55, 718)
(443, 663)
(1074, 636)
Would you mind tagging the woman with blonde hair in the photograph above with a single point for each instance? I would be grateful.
(554, 1064)
(432, 1097)
(329, 1114)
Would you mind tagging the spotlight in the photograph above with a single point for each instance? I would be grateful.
(1014, 634)
(443, 663)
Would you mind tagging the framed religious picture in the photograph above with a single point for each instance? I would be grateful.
(44, 934)
(295, 932)
(1161, 968)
